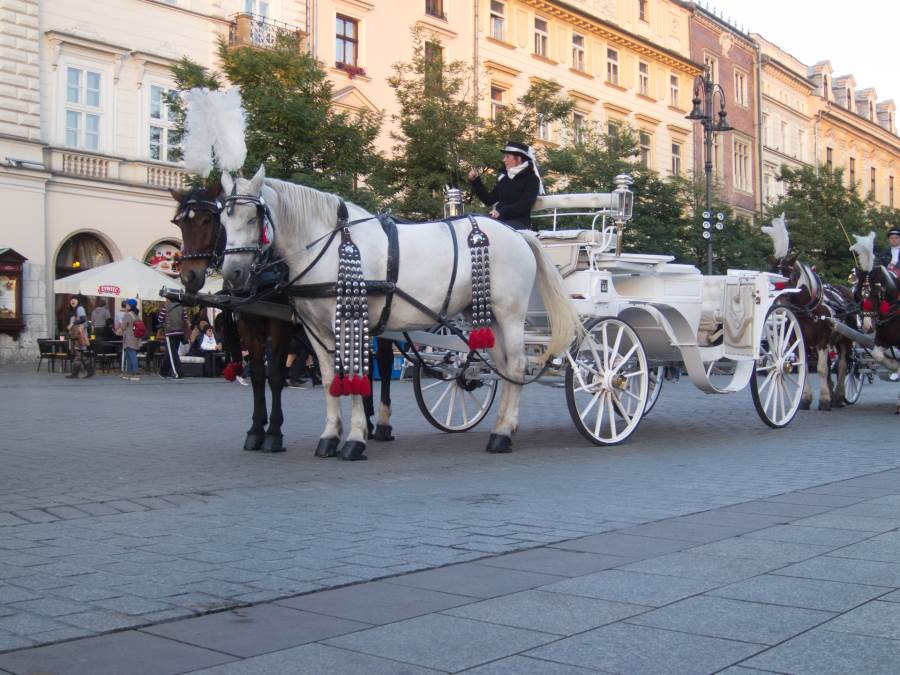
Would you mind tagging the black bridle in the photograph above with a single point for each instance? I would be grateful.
(186, 210)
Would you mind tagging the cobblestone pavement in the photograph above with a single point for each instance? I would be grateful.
(127, 504)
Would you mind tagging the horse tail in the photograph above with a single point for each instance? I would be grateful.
(565, 324)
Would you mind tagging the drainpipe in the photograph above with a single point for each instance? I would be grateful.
(759, 132)
(314, 30)
(816, 143)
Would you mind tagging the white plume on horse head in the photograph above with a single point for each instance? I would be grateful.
(214, 121)
(864, 248)
(198, 131)
(779, 235)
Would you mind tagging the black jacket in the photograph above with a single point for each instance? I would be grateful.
(883, 258)
(513, 197)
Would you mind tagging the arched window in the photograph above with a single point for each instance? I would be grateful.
(81, 252)
(164, 257)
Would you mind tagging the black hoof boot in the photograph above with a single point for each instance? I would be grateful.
(824, 406)
(498, 443)
(804, 405)
(273, 443)
(254, 441)
(383, 432)
(327, 447)
(354, 451)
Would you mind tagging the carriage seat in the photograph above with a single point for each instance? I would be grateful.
(568, 249)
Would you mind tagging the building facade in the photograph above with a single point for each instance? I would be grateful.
(730, 58)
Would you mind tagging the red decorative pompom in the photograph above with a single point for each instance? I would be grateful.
(356, 385)
(885, 307)
(232, 370)
(365, 387)
(867, 305)
(335, 388)
(475, 339)
(489, 340)
(346, 386)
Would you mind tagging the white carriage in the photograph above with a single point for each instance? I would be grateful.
(641, 314)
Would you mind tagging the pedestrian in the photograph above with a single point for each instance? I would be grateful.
(208, 348)
(173, 319)
(130, 343)
(99, 315)
(518, 186)
(78, 340)
(891, 258)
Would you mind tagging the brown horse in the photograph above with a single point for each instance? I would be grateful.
(203, 241)
(877, 290)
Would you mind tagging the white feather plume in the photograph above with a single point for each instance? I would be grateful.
(779, 235)
(864, 248)
(197, 142)
(230, 142)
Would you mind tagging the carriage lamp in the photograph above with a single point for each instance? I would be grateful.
(705, 93)
(624, 206)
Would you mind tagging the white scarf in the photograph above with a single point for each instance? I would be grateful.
(895, 254)
(516, 170)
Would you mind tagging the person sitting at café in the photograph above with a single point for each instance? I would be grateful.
(99, 315)
(208, 347)
(109, 331)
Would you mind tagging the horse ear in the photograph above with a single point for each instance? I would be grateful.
(227, 181)
(792, 257)
(178, 195)
(215, 189)
(257, 180)
(773, 261)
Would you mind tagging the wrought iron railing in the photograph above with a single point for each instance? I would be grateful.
(253, 30)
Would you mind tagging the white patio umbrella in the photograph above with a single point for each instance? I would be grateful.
(123, 278)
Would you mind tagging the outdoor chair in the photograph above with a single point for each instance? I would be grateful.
(53, 351)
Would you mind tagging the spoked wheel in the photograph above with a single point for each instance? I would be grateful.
(607, 381)
(452, 396)
(854, 378)
(655, 383)
(777, 383)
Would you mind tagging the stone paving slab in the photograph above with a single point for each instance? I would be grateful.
(828, 596)
(823, 652)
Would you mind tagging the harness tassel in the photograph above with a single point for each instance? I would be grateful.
(351, 324)
(482, 337)
(885, 307)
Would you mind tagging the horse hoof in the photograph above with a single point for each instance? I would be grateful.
(804, 405)
(353, 451)
(273, 443)
(254, 441)
(824, 406)
(327, 447)
(383, 432)
(498, 443)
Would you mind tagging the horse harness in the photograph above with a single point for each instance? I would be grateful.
(186, 210)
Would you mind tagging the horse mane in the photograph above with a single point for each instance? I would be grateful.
(809, 279)
(779, 235)
(864, 248)
(294, 199)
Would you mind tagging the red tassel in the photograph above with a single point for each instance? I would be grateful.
(335, 388)
(473, 340)
(489, 338)
(232, 370)
(355, 385)
(867, 305)
(365, 388)
(885, 307)
(346, 386)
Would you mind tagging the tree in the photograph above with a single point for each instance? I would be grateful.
(292, 126)
(821, 213)
(440, 134)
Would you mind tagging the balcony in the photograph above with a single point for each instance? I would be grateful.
(253, 30)
(92, 166)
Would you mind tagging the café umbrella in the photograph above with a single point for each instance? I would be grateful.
(123, 278)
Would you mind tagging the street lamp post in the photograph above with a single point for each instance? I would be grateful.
(705, 91)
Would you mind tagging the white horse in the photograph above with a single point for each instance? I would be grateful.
(304, 219)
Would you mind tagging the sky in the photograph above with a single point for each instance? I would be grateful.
(859, 37)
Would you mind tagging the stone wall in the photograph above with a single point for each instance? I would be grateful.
(19, 89)
(34, 305)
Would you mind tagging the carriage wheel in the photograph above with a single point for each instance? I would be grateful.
(853, 378)
(655, 383)
(777, 383)
(607, 381)
(452, 396)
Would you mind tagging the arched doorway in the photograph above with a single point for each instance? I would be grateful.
(164, 256)
(80, 252)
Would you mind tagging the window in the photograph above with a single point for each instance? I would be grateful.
(891, 191)
(347, 44)
(674, 91)
(612, 128)
(163, 137)
(873, 184)
(741, 165)
(612, 66)
(498, 19)
(579, 123)
(800, 150)
(545, 132)
(258, 7)
(83, 108)
(712, 66)
(435, 8)
(578, 52)
(541, 37)
(434, 53)
(642, 10)
(740, 88)
(766, 134)
(853, 173)
(434, 71)
(829, 158)
(783, 139)
(644, 78)
(646, 147)
(676, 159)
(768, 179)
(496, 102)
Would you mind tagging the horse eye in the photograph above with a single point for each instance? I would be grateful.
(252, 221)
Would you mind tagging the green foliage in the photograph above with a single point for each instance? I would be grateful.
(292, 127)
(821, 213)
(440, 135)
